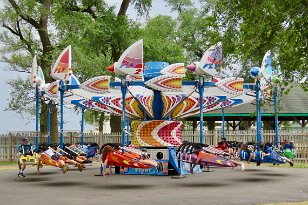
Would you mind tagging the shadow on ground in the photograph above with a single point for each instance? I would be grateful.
(74, 169)
(124, 186)
(272, 174)
(200, 185)
(256, 170)
(32, 179)
(254, 179)
(42, 173)
(63, 184)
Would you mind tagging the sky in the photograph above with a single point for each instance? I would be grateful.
(11, 121)
(159, 7)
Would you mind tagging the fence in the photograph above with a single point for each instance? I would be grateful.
(9, 142)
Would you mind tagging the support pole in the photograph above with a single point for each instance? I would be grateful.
(82, 126)
(123, 90)
(37, 109)
(258, 110)
(128, 131)
(201, 90)
(276, 115)
(62, 89)
(223, 122)
(194, 122)
(48, 121)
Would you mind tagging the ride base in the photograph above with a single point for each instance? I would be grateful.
(171, 164)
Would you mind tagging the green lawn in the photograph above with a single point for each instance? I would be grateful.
(4, 163)
(296, 165)
(286, 165)
(290, 203)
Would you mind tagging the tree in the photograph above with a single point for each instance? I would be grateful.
(161, 41)
(180, 5)
(19, 103)
(250, 28)
(27, 34)
(100, 38)
(197, 32)
(43, 28)
(96, 119)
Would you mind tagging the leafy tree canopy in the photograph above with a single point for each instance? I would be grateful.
(250, 28)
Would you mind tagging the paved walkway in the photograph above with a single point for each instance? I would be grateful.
(256, 185)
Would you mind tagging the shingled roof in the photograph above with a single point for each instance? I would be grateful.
(292, 106)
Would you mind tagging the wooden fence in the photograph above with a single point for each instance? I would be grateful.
(9, 142)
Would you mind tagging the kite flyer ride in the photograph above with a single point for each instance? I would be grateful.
(153, 99)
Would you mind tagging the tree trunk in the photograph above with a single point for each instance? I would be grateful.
(53, 122)
(43, 120)
(268, 125)
(101, 122)
(45, 63)
(101, 128)
(54, 132)
(115, 123)
(211, 125)
(123, 8)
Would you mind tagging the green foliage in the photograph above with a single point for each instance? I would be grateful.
(96, 33)
(94, 40)
(180, 5)
(197, 32)
(142, 6)
(250, 28)
(286, 125)
(161, 41)
(19, 42)
(93, 117)
(210, 125)
(22, 98)
(88, 38)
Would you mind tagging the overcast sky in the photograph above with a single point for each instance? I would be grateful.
(11, 121)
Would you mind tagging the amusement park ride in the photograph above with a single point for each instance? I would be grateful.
(265, 78)
(153, 99)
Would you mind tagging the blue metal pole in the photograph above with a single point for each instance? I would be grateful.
(37, 105)
(128, 130)
(123, 90)
(82, 126)
(48, 122)
(201, 89)
(276, 115)
(62, 88)
(258, 110)
(158, 105)
(223, 122)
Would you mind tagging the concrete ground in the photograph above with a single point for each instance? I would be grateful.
(256, 185)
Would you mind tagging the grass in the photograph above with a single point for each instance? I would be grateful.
(286, 165)
(296, 165)
(290, 203)
(5, 163)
